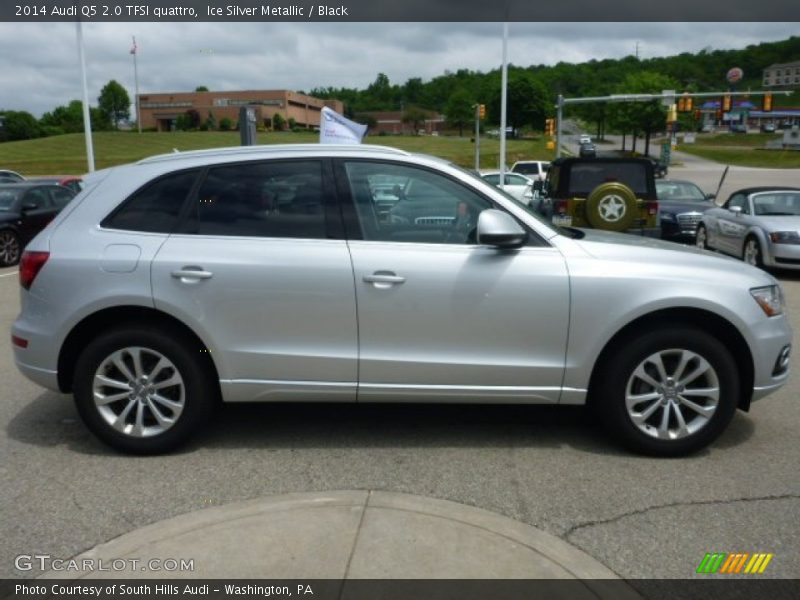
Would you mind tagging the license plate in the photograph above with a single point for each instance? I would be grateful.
(562, 220)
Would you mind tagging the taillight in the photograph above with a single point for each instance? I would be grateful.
(560, 206)
(652, 207)
(29, 267)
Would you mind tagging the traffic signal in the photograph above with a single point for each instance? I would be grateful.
(550, 126)
(726, 103)
(685, 104)
(672, 113)
(766, 103)
(481, 111)
(697, 115)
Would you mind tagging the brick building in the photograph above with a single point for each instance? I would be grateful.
(784, 74)
(160, 111)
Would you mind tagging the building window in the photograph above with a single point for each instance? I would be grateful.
(165, 105)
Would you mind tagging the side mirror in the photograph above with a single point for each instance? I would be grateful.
(26, 206)
(736, 210)
(499, 229)
(538, 185)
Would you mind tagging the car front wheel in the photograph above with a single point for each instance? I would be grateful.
(668, 392)
(142, 390)
(752, 253)
(9, 248)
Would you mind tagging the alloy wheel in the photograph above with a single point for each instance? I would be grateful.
(672, 394)
(9, 248)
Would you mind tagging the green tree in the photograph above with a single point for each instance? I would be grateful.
(415, 117)
(278, 122)
(114, 103)
(201, 88)
(225, 124)
(18, 125)
(644, 117)
(526, 102)
(460, 110)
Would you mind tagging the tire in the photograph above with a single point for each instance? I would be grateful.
(631, 371)
(751, 252)
(9, 248)
(701, 237)
(611, 207)
(153, 415)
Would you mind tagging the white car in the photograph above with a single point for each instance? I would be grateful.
(516, 185)
(585, 139)
(534, 169)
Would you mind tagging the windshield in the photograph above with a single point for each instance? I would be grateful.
(774, 204)
(679, 190)
(7, 199)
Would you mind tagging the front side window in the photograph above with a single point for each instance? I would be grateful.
(154, 208)
(265, 199)
(739, 200)
(426, 207)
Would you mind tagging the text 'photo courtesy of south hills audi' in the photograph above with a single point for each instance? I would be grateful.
(311, 273)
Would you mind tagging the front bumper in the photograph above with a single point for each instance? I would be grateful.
(785, 256)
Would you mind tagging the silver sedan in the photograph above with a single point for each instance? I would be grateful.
(759, 225)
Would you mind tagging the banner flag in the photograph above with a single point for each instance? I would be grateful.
(336, 129)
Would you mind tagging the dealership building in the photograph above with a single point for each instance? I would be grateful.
(160, 111)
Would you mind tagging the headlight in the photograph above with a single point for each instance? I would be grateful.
(784, 237)
(667, 216)
(769, 298)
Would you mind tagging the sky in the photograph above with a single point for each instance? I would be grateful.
(39, 66)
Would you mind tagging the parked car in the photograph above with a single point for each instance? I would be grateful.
(615, 194)
(516, 185)
(760, 225)
(25, 209)
(7, 176)
(68, 181)
(660, 169)
(587, 150)
(768, 128)
(681, 205)
(738, 128)
(534, 169)
(585, 139)
(181, 279)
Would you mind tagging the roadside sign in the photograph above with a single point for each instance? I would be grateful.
(668, 97)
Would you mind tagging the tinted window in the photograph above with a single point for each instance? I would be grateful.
(428, 208)
(738, 200)
(38, 197)
(60, 197)
(527, 168)
(8, 199)
(678, 190)
(154, 208)
(584, 177)
(268, 199)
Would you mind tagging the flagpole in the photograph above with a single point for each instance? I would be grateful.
(504, 85)
(87, 124)
(135, 51)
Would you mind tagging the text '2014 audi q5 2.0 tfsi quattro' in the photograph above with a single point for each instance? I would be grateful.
(289, 273)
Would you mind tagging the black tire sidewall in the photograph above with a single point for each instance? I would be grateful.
(198, 386)
(618, 370)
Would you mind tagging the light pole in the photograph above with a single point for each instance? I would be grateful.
(134, 51)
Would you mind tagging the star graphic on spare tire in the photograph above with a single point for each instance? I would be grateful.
(612, 208)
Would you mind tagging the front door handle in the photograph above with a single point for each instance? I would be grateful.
(191, 274)
(383, 279)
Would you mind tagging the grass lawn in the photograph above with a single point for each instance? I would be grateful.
(744, 150)
(66, 154)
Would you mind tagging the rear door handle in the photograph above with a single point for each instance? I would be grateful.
(187, 274)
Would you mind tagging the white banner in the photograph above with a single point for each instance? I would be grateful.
(336, 129)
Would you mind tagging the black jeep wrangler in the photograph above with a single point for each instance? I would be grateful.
(614, 194)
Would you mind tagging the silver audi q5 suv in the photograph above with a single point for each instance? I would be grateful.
(368, 274)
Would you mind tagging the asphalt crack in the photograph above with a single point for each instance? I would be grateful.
(575, 528)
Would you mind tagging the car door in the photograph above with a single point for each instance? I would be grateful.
(439, 316)
(260, 269)
(35, 218)
(731, 225)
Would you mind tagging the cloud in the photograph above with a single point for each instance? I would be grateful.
(39, 61)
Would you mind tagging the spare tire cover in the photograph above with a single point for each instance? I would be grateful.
(611, 206)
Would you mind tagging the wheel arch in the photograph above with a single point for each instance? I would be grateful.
(705, 320)
(91, 325)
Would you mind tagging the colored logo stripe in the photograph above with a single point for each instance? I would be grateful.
(724, 563)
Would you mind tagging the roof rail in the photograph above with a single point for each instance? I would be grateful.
(272, 148)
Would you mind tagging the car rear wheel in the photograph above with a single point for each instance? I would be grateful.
(701, 237)
(142, 390)
(9, 248)
(668, 392)
(752, 252)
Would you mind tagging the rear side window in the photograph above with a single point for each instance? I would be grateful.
(282, 199)
(61, 197)
(155, 207)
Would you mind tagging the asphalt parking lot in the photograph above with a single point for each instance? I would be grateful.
(62, 492)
